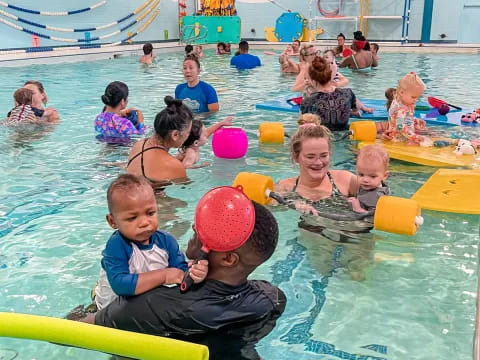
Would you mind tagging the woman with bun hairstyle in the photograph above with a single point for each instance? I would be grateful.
(116, 121)
(363, 60)
(333, 105)
(150, 157)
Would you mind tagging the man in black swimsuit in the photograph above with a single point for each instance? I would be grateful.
(226, 312)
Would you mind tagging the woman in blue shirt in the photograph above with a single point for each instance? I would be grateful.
(196, 94)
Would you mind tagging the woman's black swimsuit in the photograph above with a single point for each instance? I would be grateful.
(335, 191)
(143, 167)
(318, 229)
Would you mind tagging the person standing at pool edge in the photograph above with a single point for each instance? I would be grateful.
(244, 60)
(199, 96)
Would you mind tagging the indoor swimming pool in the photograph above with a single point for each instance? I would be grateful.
(418, 296)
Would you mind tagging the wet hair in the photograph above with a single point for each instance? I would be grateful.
(194, 58)
(114, 93)
(264, 238)
(23, 96)
(125, 183)
(367, 46)
(375, 46)
(308, 131)
(221, 45)
(358, 35)
(390, 95)
(195, 134)
(341, 35)
(410, 81)
(40, 88)
(309, 119)
(188, 49)
(320, 71)
(147, 48)
(374, 153)
(297, 41)
(243, 46)
(175, 116)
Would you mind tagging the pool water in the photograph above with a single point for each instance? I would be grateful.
(389, 297)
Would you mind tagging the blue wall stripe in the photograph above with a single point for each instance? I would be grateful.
(427, 20)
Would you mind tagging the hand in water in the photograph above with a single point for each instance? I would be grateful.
(305, 208)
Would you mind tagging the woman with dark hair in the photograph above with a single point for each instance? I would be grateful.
(332, 104)
(198, 95)
(363, 59)
(150, 157)
(342, 49)
(39, 99)
(116, 121)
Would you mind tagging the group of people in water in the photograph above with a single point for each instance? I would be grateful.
(223, 310)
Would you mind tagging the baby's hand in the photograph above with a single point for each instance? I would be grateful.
(173, 276)
(388, 134)
(228, 121)
(305, 208)
(198, 271)
(356, 205)
(419, 124)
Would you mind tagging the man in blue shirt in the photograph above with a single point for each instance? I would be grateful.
(245, 60)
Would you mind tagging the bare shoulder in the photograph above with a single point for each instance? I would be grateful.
(342, 175)
(136, 148)
(173, 167)
(285, 185)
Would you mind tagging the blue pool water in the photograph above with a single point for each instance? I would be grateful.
(418, 297)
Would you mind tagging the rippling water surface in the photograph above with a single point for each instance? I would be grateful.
(388, 297)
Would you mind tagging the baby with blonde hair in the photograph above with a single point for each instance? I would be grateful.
(372, 170)
(402, 122)
(308, 118)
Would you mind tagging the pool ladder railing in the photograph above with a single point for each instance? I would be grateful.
(194, 32)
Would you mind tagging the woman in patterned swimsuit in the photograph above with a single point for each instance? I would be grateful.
(324, 239)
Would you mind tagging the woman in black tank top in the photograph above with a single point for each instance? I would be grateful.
(329, 244)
